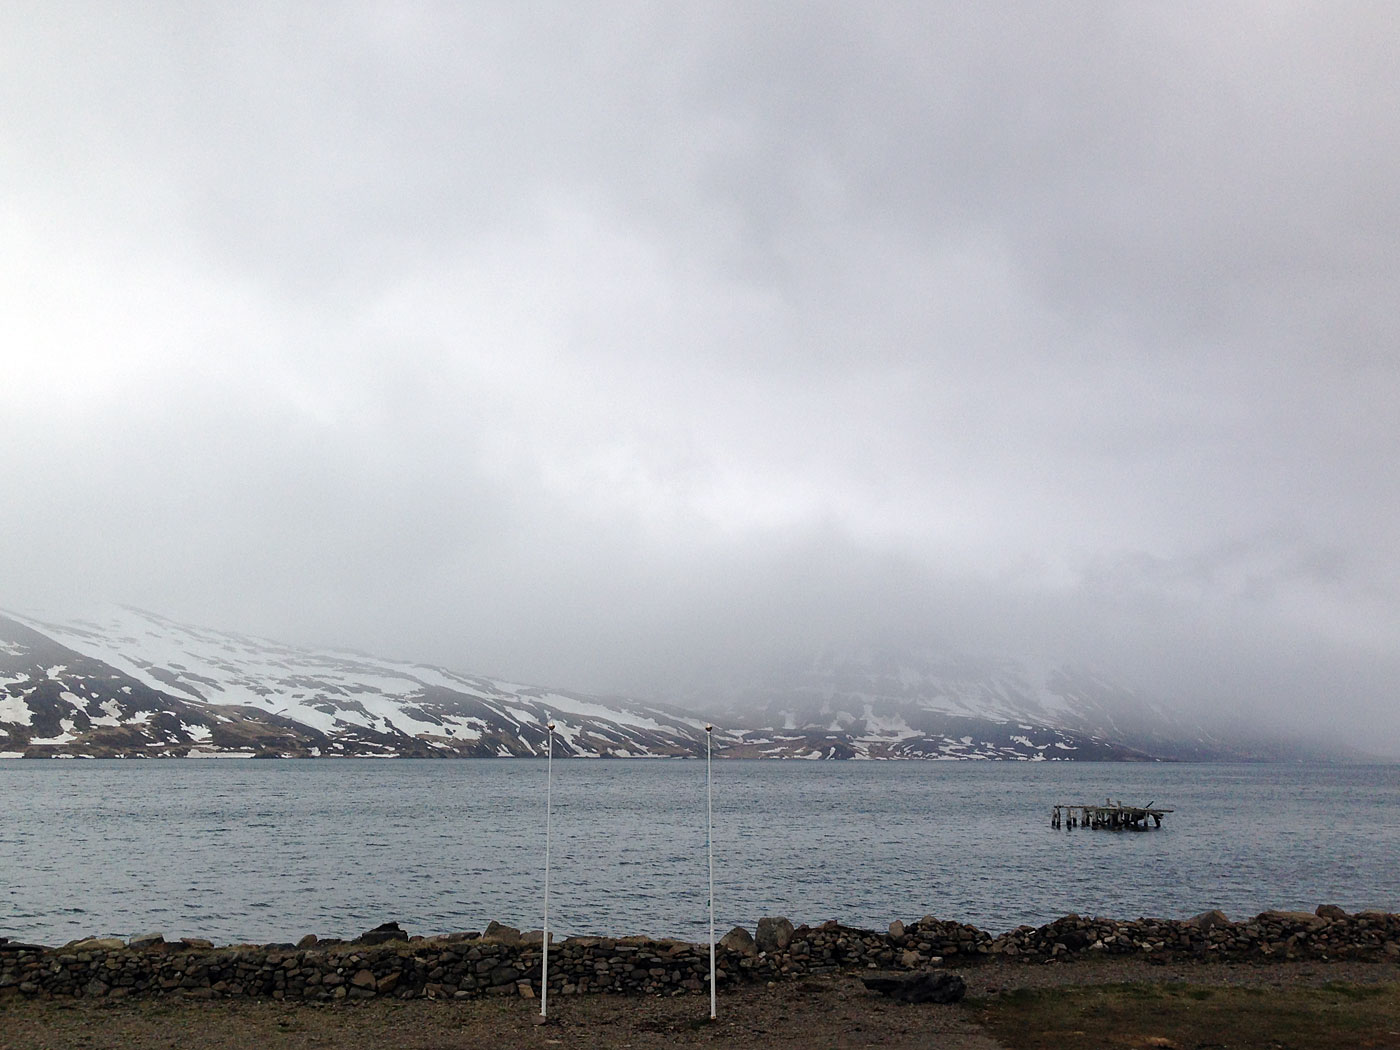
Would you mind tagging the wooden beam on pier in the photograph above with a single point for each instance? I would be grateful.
(1111, 815)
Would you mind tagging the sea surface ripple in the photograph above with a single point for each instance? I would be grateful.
(269, 851)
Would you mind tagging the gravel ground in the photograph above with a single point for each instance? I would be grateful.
(997, 977)
(835, 1012)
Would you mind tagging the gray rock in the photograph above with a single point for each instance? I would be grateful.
(1290, 918)
(774, 934)
(739, 940)
(503, 976)
(534, 938)
(501, 933)
(146, 939)
(388, 931)
(96, 944)
(896, 928)
(308, 941)
(1209, 920)
(928, 986)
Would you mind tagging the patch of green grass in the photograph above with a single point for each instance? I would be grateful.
(1192, 1017)
(1358, 991)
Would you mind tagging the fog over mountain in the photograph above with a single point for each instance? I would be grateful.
(128, 683)
(643, 348)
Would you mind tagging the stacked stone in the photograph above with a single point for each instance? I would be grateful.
(1328, 933)
(944, 938)
(459, 966)
(502, 961)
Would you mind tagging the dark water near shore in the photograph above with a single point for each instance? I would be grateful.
(268, 851)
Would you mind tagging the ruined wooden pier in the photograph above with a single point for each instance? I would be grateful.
(1111, 816)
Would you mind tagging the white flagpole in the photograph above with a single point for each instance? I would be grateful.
(710, 844)
(544, 940)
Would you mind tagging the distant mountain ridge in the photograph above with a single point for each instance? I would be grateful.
(133, 683)
(127, 683)
(899, 703)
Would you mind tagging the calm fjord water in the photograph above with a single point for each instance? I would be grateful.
(269, 851)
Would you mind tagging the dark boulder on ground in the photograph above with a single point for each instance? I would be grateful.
(926, 986)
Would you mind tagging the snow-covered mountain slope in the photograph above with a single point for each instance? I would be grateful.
(131, 683)
(938, 704)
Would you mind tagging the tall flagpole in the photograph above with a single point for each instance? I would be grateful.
(710, 845)
(544, 940)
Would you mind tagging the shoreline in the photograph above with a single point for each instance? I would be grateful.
(502, 962)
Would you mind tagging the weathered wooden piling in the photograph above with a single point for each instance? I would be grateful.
(1111, 816)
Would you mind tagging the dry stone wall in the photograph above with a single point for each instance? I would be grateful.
(385, 962)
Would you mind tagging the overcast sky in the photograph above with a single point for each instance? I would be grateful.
(610, 344)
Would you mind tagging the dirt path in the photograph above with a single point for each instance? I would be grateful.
(819, 1012)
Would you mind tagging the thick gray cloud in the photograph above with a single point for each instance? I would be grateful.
(609, 345)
